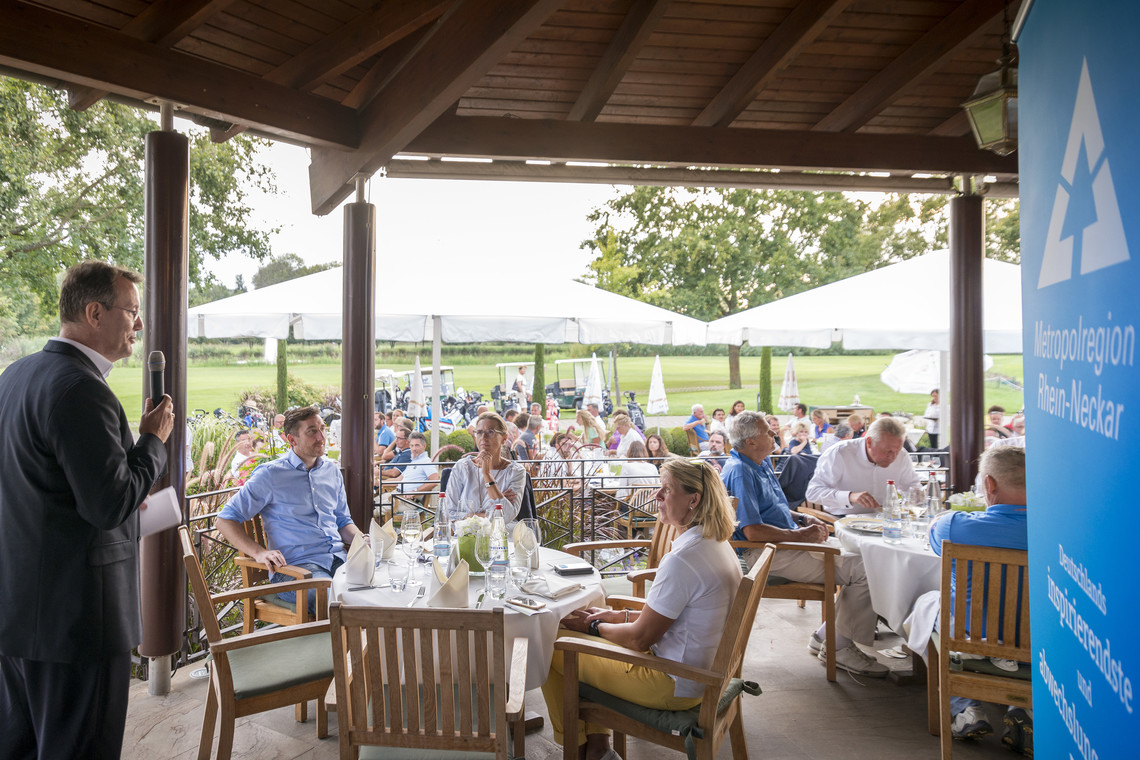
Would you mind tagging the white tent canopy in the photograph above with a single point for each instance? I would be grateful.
(905, 305)
(470, 310)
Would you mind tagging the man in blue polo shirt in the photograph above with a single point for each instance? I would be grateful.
(699, 425)
(1004, 524)
(763, 516)
(302, 503)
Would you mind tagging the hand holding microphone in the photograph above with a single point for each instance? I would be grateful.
(158, 411)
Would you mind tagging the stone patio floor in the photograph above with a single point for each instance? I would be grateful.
(798, 717)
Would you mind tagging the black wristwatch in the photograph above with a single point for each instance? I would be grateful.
(592, 628)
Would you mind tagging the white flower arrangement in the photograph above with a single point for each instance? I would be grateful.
(967, 501)
(473, 526)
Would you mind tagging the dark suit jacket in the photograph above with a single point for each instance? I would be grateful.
(71, 481)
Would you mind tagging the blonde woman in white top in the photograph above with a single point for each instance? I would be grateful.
(684, 613)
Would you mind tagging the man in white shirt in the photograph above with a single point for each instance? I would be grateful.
(420, 474)
(243, 454)
(852, 475)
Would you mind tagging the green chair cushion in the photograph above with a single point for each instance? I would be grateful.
(277, 601)
(278, 665)
(1024, 670)
(392, 753)
(676, 722)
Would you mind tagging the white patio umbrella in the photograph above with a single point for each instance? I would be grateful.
(657, 403)
(593, 394)
(790, 390)
(918, 371)
(417, 406)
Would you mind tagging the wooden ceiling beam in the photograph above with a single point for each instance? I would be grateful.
(471, 39)
(631, 36)
(734, 147)
(358, 40)
(46, 43)
(956, 126)
(384, 68)
(801, 26)
(163, 22)
(926, 55)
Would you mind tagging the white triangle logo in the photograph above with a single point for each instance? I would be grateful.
(1102, 241)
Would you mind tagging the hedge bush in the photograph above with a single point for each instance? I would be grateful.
(463, 440)
(677, 440)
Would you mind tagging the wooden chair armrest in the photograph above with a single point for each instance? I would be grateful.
(516, 679)
(269, 589)
(639, 578)
(793, 546)
(610, 651)
(267, 635)
(582, 547)
(292, 571)
(622, 602)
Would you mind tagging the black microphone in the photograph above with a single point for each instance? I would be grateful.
(156, 365)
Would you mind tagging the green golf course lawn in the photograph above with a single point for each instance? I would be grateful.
(824, 380)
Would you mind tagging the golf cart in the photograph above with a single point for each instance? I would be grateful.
(446, 381)
(386, 390)
(503, 394)
(570, 386)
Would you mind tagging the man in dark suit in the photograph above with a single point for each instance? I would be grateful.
(70, 490)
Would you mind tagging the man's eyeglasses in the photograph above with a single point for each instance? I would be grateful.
(133, 312)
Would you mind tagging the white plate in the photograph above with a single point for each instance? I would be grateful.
(863, 525)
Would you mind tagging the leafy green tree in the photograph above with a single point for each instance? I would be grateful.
(72, 187)
(287, 266)
(538, 395)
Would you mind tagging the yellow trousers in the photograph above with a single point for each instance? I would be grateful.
(632, 683)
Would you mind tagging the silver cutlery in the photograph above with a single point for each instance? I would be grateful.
(366, 588)
(479, 601)
(419, 595)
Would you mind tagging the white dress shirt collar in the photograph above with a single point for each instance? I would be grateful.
(101, 362)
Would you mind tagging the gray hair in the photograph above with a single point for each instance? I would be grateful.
(698, 406)
(1006, 465)
(87, 282)
(886, 427)
(534, 423)
(747, 425)
(843, 431)
(418, 437)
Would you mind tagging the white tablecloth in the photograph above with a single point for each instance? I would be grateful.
(897, 574)
(540, 630)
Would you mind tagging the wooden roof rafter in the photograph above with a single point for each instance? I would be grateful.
(164, 23)
(929, 52)
(802, 25)
(633, 33)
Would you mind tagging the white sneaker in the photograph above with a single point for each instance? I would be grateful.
(815, 643)
(971, 723)
(852, 659)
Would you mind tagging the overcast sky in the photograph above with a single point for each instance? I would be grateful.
(433, 229)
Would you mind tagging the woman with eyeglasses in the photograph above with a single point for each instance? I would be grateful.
(684, 613)
(477, 482)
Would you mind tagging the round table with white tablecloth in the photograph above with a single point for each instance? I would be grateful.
(540, 629)
(897, 574)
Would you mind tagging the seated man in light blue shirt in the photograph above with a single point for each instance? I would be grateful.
(1005, 525)
(302, 503)
(699, 425)
(420, 474)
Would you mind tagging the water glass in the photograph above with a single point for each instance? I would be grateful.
(398, 573)
(497, 581)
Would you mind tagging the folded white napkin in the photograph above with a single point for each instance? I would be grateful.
(445, 590)
(551, 587)
(520, 535)
(383, 539)
(361, 563)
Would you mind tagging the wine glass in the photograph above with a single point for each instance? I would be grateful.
(530, 540)
(483, 554)
(411, 528)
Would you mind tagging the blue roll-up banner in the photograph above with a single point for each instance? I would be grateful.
(1080, 225)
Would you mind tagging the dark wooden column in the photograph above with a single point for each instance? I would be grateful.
(967, 376)
(358, 362)
(166, 268)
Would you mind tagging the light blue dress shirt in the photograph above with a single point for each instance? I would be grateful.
(302, 510)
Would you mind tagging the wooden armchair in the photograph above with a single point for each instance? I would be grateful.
(258, 671)
(996, 624)
(824, 592)
(641, 509)
(817, 511)
(413, 683)
(632, 583)
(268, 607)
(702, 727)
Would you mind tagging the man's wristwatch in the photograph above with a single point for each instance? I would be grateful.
(592, 628)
